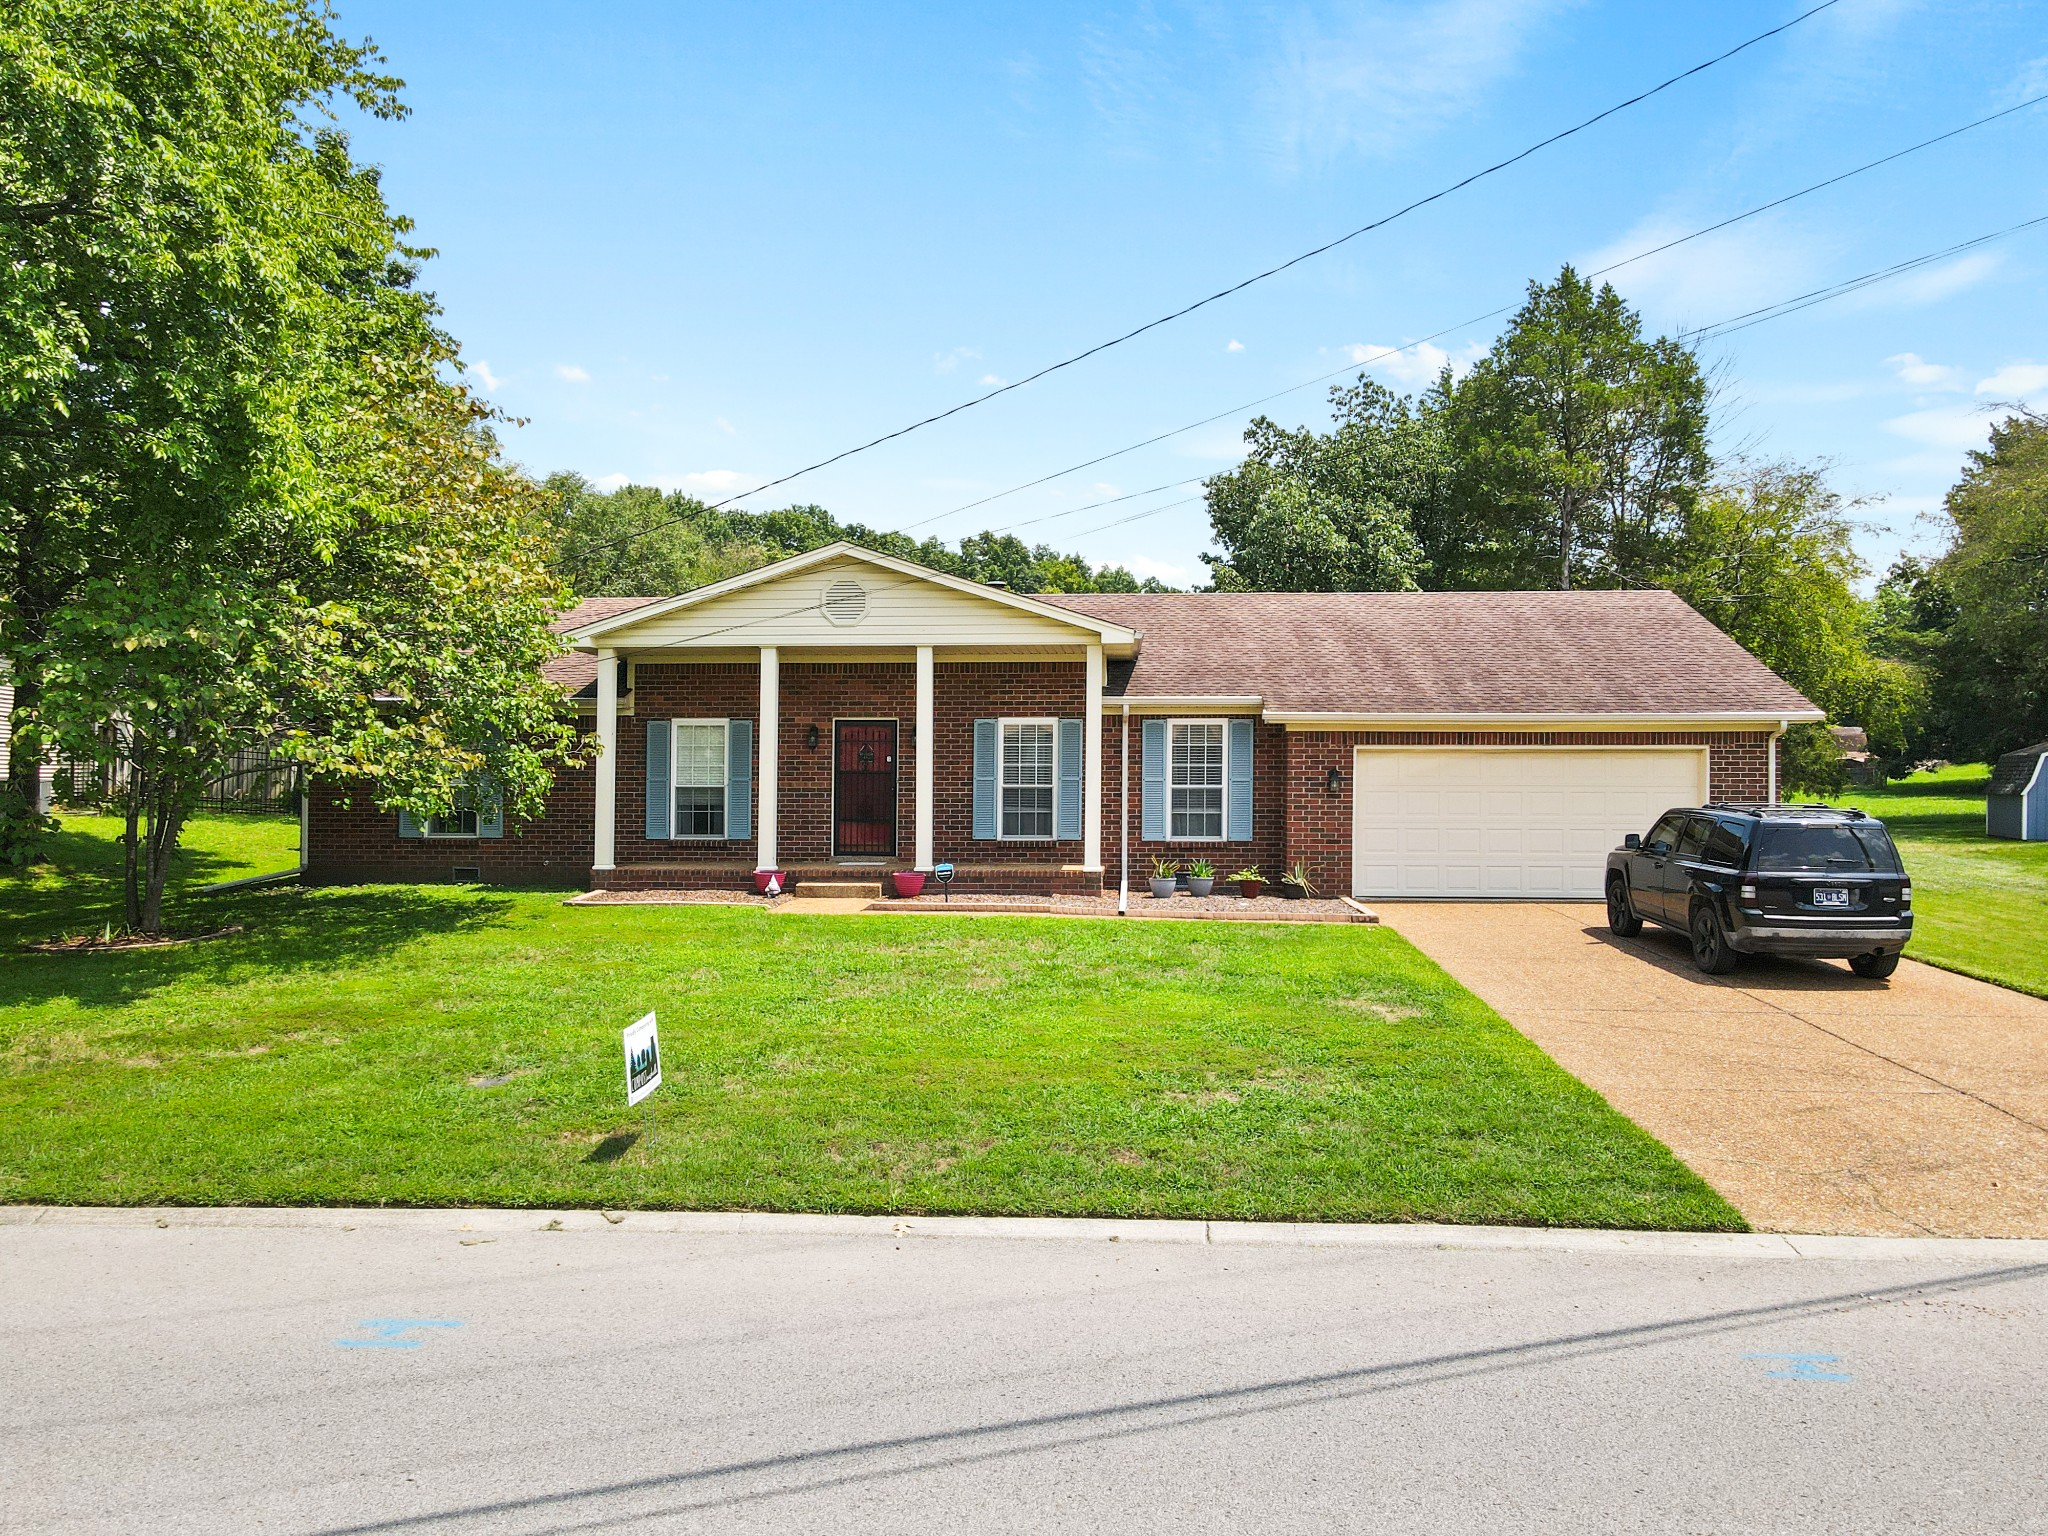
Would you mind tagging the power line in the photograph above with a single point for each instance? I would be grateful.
(1370, 358)
(1293, 261)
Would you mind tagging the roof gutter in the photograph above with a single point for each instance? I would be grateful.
(1550, 720)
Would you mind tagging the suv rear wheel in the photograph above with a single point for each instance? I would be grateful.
(1622, 921)
(1710, 951)
(1877, 966)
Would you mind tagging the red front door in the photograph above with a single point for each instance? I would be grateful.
(864, 788)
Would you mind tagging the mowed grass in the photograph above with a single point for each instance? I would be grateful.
(444, 1046)
(1980, 903)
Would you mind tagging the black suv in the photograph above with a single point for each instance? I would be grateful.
(1766, 880)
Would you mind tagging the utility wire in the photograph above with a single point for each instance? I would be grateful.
(1719, 329)
(1370, 358)
(1294, 261)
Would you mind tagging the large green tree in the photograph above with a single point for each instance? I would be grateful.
(240, 499)
(1983, 607)
(1579, 446)
(1336, 511)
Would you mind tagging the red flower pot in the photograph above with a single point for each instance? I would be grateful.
(764, 878)
(1250, 888)
(908, 882)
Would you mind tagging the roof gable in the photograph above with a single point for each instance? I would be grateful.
(843, 595)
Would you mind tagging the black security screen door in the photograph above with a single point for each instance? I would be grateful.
(864, 788)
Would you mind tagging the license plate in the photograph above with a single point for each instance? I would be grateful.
(1830, 896)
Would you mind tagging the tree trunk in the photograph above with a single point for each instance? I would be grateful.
(131, 904)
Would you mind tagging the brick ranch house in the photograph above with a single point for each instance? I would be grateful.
(841, 714)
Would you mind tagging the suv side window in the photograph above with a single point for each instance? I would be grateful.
(1664, 836)
(1694, 838)
(1726, 844)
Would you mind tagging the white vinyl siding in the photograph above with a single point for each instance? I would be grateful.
(1028, 782)
(1194, 785)
(698, 764)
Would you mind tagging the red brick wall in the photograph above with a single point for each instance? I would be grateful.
(966, 691)
(1319, 823)
(350, 841)
(1268, 845)
(695, 691)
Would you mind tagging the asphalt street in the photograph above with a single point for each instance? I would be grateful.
(442, 1373)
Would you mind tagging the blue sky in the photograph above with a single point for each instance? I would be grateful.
(700, 246)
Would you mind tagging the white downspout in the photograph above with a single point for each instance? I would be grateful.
(1123, 824)
(1771, 767)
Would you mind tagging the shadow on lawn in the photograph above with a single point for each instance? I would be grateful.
(286, 930)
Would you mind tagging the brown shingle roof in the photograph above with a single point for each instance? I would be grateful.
(576, 672)
(1639, 652)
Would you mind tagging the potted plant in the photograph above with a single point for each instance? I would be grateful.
(908, 882)
(1296, 885)
(1201, 877)
(772, 882)
(1163, 871)
(1249, 881)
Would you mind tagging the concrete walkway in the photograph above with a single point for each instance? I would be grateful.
(1813, 1100)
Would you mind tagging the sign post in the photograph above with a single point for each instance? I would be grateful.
(643, 1060)
(943, 873)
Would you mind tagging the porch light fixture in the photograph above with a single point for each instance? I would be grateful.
(1333, 781)
(811, 738)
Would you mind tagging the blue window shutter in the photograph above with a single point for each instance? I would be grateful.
(1237, 769)
(1152, 801)
(660, 798)
(490, 810)
(1067, 815)
(739, 779)
(407, 826)
(988, 752)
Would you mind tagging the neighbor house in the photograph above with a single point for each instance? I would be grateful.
(841, 714)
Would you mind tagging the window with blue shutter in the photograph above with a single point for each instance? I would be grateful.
(490, 810)
(739, 779)
(1072, 739)
(987, 763)
(659, 795)
(1152, 798)
(1239, 819)
(408, 826)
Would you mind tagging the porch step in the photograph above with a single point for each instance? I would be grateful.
(826, 890)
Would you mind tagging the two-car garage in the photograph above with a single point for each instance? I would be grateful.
(1507, 821)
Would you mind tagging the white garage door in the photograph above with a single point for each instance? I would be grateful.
(1474, 821)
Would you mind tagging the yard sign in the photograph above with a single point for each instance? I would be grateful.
(643, 1060)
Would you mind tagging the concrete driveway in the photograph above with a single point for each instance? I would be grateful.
(1813, 1100)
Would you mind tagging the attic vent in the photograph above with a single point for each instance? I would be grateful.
(846, 602)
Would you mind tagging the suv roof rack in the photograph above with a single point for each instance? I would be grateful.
(1785, 808)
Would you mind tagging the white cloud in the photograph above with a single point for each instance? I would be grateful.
(1234, 346)
(1943, 426)
(1915, 369)
(1389, 71)
(725, 426)
(2016, 380)
(992, 379)
(1710, 279)
(572, 373)
(946, 362)
(484, 376)
(1929, 283)
(1415, 365)
(1141, 567)
(612, 481)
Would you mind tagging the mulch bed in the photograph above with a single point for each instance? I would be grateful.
(88, 943)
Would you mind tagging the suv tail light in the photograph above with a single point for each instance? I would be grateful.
(1749, 893)
(1906, 896)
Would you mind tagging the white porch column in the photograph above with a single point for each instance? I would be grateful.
(771, 758)
(1091, 767)
(927, 777)
(604, 844)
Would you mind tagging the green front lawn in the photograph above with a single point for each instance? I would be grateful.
(454, 1046)
(1980, 904)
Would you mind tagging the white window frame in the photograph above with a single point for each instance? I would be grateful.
(430, 827)
(1003, 725)
(1222, 723)
(676, 834)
